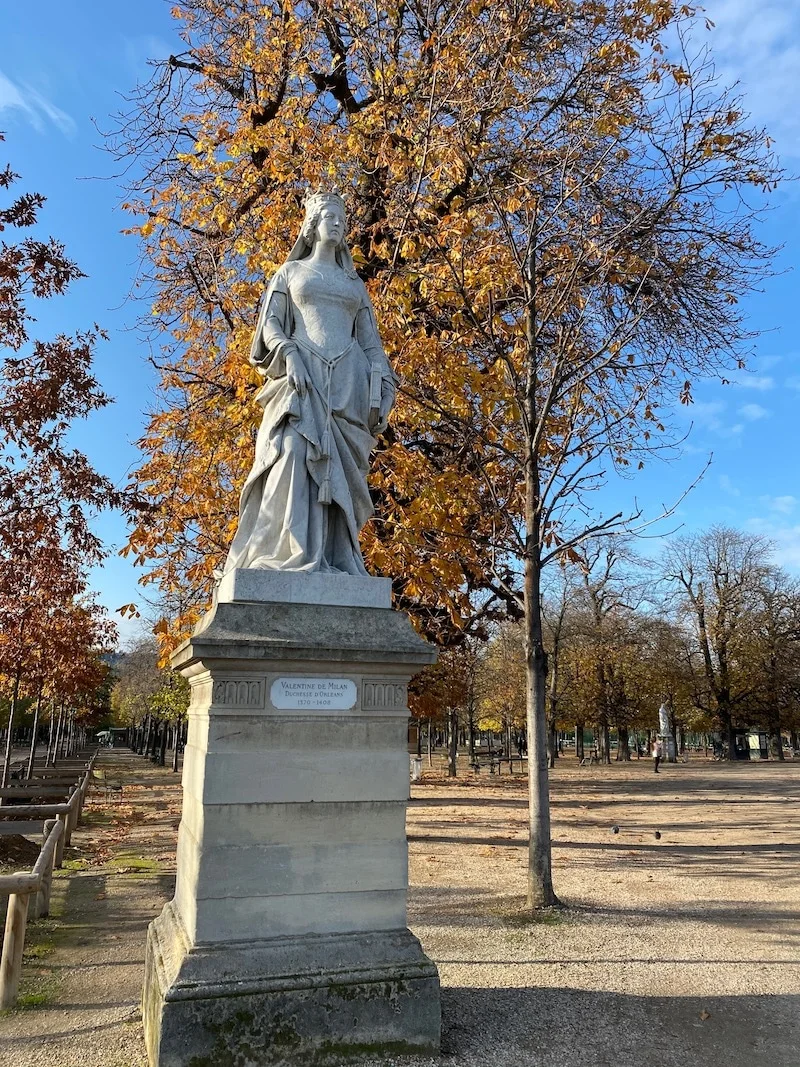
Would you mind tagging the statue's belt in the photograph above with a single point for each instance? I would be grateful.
(324, 357)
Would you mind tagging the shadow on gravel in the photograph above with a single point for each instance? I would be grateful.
(686, 852)
(462, 839)
(556, 1027)
(88, 899)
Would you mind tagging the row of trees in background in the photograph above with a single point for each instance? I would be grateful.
(711, 631)
(54, 637)
(151, 701)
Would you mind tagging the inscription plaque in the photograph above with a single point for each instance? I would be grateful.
(313, 694)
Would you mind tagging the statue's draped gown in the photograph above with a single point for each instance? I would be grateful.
(306, 497)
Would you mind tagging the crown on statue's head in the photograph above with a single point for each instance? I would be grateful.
(317, 199)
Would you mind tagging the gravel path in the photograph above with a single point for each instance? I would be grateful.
(677, 950)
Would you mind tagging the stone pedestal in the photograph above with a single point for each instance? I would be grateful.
(286, 942)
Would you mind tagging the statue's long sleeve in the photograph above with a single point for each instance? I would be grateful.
(272, 338)
(366, 333)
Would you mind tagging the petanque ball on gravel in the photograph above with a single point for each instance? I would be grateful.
(614, 829)
(657, 835)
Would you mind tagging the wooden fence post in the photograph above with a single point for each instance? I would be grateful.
(59, 860)
(72, 818)
(13, 944)
(44, 866)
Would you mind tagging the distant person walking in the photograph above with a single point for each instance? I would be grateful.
(658, 754)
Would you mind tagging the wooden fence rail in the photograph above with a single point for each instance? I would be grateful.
(58, 822)
(21, 887)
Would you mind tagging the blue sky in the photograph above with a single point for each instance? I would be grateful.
(65, 66)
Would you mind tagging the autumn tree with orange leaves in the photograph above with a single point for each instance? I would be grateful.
(551, 206)
(51, 632)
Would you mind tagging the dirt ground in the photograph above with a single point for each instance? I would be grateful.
(678, 949)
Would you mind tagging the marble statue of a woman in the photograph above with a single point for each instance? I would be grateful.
(328, 390)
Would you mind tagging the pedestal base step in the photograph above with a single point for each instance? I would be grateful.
(314, 1000)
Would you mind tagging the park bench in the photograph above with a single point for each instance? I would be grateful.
(13, 797)
(57, 775)
(589, 758)
(510, 760)
(67, 812)
(17, 793)
(477, 764)
(496, 763)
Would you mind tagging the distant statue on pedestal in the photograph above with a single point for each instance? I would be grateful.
(663, 720)
(328, 391)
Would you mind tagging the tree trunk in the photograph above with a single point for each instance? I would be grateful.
(540, 862)
(728, 730)
(70, 747)
(146, 736)
(605, 743)
(778, 739)
(162, 752)
(579, 741)
(552, 709)
(34, 733)
(623, 744)
(540, 874)
(177, 749)
(430, 745)
(11, 713)
(59, 727)
(452, 751)
(52, 732)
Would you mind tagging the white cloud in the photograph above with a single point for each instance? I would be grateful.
(783, 504)
(706, 409)
(767, 362)
(727, 486)
(751, 412)
(756, 44)
(141, 49)
(785, 539)
(762, 383)
(706, 415)
(35, 108)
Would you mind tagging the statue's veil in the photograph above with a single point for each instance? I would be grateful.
(301, 249)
